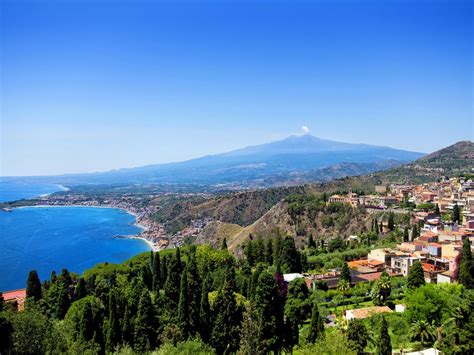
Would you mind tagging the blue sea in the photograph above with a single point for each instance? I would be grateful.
(15, 190)
(52, 238)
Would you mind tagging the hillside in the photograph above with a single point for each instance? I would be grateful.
(276, 216)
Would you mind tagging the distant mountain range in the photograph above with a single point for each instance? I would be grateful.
(291, 161)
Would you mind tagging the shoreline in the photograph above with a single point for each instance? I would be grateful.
(142, 227)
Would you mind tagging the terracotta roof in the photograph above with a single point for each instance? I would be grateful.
(376, 262)
(368, 312)
(13, 295)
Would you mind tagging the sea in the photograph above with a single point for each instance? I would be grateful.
(51, 238)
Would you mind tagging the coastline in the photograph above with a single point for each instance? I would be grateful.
(137, 224)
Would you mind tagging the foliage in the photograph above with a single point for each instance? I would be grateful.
(416, 277)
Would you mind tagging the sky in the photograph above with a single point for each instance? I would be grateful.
(97, 85)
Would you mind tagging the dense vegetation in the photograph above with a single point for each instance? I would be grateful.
(203, 300)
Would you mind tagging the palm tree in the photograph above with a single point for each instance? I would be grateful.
(343, 286)
(385, 286)
(423, 331)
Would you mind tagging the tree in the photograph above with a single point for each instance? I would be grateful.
(466, 265)
(6, 335)
(63, 302)
(297, 309)
(423, 331)
(33, 286)
(357, 335)
(311, 243)
(248, 341)
(456, 214)
(437, 211)
(86, 325)
(2, 302)
(224, 243)
(183, 306)
(113, 335)
(391, 221)
(173, 281)
(316, 329)
(144, 334)
(80, 291)
(345, 273)
(406, 235)
(205, 315)
(156, 271)
(269, 313)
(416, 276)
(290, 258)
(269, 251)
(225, 336)
(415, 233)
(381, 290)
(384, 345)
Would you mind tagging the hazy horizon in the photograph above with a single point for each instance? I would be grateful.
(90, 87)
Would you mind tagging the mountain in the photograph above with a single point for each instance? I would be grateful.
(261, 212)
(294, 160)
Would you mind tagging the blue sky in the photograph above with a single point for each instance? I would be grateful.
(96, 85)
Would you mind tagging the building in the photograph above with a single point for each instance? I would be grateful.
(16, 298)
(363, 313)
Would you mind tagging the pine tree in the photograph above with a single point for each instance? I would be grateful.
(80, 291)
(156, 272)
(357, 335)
(33, 286)
(416, 277)
(316, 329)
(269, 314)
(384, 346)
(345, 273)
(144, 334)
(183, 305)
(466, 265)
(205, 314)
(86, 325)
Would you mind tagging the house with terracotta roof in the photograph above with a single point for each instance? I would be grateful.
(16, 298)
(362, 313)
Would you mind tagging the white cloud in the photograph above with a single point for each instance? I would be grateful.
(305, 129)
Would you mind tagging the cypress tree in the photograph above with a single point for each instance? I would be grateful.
(269, 314)
(290, 258)
(156, 271)
(456, 214)
(311, 243)
(194, 298)
(249, 252)
(466, 265)
(345, 273)
(183, 305)
(437, 211)
(316, 329)
(33, 286)
(86, 325)
(225, 336)
(259, 250)
(113, 335)
(277, 249)
(173, 281)
(406, 235)
(384, 346)
(147, 276)
(80, 291)
(63, 302)
(179, 264)
(164, 270)
(65, 278)
(127, 327)
(248, 341)
(391, 221)
(144, 334)
(53, 277)
(205, 314)
(269, 251)
(224, 244)
(416, 276)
